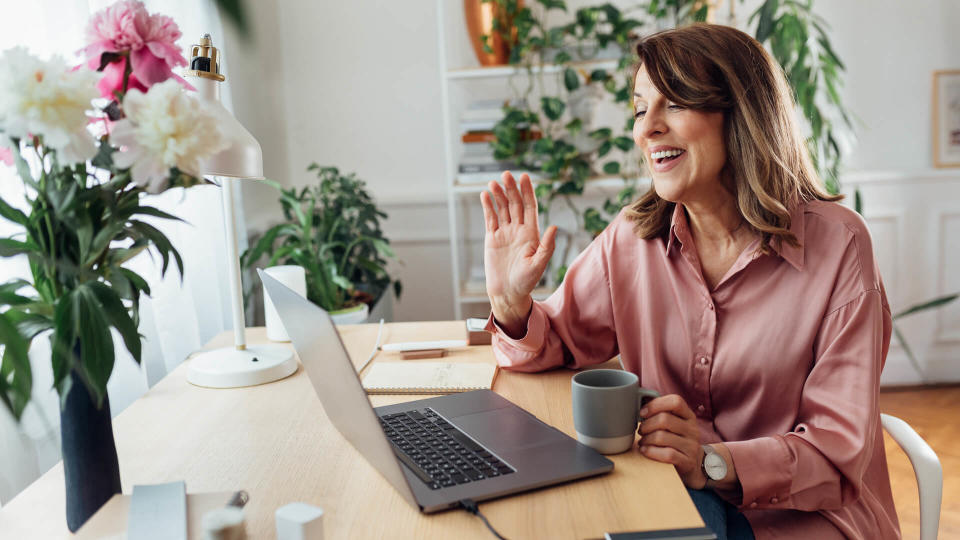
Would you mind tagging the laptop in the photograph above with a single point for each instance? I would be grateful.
(436, 451)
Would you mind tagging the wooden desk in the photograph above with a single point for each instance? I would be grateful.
(275, 441)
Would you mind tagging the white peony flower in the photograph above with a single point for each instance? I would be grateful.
(164, 128)
(47, 99)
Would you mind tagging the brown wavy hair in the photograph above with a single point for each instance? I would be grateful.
(711, 67)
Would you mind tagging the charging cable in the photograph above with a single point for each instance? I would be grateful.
(471, 506)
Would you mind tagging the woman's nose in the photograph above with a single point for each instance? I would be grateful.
(650, 125)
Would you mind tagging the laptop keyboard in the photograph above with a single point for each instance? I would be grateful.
(437, 452)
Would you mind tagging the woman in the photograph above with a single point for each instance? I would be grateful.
(736, 287)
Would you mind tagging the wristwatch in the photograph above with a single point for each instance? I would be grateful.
(714, 467)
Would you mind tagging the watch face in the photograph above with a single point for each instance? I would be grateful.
(715, 466)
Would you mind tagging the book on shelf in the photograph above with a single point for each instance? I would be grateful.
(474, 178)
(487, 136)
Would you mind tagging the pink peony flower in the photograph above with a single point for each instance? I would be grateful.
(6, 156)
(148, 40)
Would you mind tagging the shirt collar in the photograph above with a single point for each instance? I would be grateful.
(680, 232)
(790, 253)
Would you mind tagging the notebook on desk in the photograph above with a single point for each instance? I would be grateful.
(428, 377)
(438, 451)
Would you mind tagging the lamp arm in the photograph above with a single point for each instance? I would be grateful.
(233, 259)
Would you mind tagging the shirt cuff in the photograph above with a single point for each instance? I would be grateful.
(525, 353)
(763, 468)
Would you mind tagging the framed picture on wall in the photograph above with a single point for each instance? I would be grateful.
(946, 118)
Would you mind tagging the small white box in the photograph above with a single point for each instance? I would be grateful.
(299, 521)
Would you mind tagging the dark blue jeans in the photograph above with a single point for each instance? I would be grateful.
(720, 516)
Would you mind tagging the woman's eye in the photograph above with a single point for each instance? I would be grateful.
(676, 107)
(639, 114)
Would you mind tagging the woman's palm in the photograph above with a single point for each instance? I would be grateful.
(514, 255)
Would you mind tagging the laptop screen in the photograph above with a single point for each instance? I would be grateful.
(335, 380)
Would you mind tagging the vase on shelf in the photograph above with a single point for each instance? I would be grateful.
(91, 470)
(479, 16)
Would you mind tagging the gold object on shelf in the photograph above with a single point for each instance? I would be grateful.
(480, 16)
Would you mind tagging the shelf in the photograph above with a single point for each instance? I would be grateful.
(475, 297)
(597, 182)
(489, 72)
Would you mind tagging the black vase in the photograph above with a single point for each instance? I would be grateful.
(90, 466)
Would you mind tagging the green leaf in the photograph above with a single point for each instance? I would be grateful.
(138, 282)
(611, 167)
(623, 143)
(604, 148)
(552, 107)
(857, 201)
(593, 222)
(599, 75)
(10, 247)
(16, 379)
(765, 25)
(383, 248)
(96, 344)
(562, 57)
(574, 126)
(929, 304)
(118, 316)
(602, 133)
(12, 214)
(570, 79)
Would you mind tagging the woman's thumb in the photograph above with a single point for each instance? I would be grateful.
(547, 244)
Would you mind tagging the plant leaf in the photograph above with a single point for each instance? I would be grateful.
(929, 304)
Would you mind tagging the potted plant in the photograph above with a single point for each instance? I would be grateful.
(82, 218)
(331, 229)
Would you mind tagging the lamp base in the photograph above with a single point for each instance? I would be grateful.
(228, 367)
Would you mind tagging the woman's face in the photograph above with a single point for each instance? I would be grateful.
(684, 148)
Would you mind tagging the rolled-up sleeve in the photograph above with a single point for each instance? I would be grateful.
(574, 327)
(821, 463)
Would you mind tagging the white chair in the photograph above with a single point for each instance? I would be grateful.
(926, 466)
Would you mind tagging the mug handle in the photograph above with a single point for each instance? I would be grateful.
(644, 396)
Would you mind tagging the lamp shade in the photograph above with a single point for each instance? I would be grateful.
(243, 158)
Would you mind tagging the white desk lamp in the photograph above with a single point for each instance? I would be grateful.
(240, 365)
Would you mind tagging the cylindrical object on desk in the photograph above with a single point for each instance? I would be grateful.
(295, 278)
(299, 521)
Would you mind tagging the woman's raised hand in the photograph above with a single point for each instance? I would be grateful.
(514, 255)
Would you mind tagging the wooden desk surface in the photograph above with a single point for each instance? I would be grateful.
(275, 441)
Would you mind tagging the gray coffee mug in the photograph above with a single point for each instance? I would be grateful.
(606, 408)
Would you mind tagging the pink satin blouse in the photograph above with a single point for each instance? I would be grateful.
(780, 361)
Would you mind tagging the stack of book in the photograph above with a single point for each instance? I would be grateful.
(477, 123)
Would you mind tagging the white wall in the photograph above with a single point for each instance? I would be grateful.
(357, 85)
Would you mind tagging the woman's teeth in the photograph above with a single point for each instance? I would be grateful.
(662, 155)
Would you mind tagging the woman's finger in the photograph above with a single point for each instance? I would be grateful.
(513, 196)
(663, 454)
(503, 213)
(684, 445)
(547, 245)
(672, 403)
(529, 199)
(489, 214)
(668, 421)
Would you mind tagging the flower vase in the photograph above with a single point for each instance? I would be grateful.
(90, 466)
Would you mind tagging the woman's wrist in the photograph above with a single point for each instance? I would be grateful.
(512, 315)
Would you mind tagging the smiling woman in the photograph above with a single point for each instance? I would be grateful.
(736, 287)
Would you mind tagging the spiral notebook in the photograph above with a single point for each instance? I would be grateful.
(428, 377)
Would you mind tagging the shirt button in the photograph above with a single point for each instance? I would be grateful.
(703, 361)
(710, 307)
(753, 505)
(774, 500)
(701, 408)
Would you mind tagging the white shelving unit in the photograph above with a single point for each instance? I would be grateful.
(462, 79)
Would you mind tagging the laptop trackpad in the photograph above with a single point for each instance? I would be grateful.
(507, 429)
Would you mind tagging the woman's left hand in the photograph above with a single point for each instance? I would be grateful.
(670, 434)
